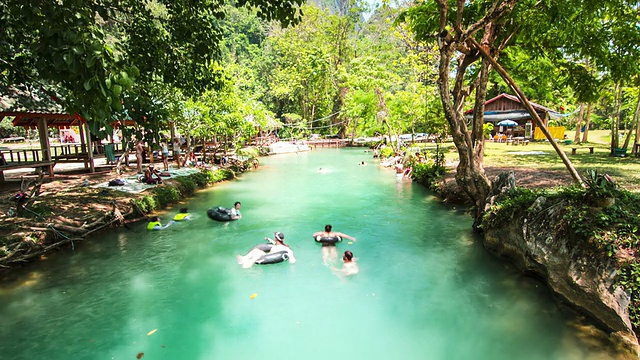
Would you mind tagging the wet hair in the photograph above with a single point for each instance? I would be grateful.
(184, 210)
(348, 255)
(237, 203)
(279, 236)
(327, 228)
(155, 219)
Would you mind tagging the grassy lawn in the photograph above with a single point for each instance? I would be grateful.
(541, 155)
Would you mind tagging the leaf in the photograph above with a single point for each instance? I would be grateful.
(68, 58)
(87, 85)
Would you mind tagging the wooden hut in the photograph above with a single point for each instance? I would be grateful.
(40, 111)
(509, 107)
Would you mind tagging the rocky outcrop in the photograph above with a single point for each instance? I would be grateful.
(534, 244)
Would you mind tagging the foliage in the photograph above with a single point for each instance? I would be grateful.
(146, 203)
(510, 207)
(89, 55)
(186, 185)
(599, 185)
(166, 195)
(386, 151)
(487, 129)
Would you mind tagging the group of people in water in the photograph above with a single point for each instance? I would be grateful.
(328, 238)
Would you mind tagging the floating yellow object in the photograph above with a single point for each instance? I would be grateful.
(350, 242)
(152, 332)
(253, 296)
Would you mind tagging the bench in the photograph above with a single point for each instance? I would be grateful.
(65, 158)
(38, 165)
(574, 150)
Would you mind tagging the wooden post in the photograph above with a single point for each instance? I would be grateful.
(84, 130)
(532, 112)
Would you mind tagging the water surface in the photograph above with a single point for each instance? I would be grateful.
(426, 288)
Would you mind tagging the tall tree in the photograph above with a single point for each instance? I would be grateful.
(92, 52)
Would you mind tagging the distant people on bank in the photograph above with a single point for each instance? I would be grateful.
(349, 266)
(329, 238)
(151, 176)
(154, 224)
(176, 151)
(264, 254)
(139, 155)
(165, 155)
(182, 215)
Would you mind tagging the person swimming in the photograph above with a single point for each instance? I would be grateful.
(329, 252)
(349, 267)
(182, 215)
(154, 224)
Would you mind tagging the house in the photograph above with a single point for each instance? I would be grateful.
(509, 107)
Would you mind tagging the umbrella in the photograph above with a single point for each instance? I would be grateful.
(507, 123)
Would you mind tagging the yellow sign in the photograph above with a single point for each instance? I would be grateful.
(557, 132)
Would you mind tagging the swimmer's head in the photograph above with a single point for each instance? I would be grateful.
(155, 219)
(348, 255)
(279, 236)
(327, 228)
(184, 210)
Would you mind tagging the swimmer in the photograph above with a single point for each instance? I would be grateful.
(349, 267)
(235, 212)
(254, 255)
(363, 163)
(182, 215)
(155, 224)
(329, 252)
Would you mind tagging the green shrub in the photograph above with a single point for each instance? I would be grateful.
(146, 203)
(386, 151)
(166, 195)
(186, 185)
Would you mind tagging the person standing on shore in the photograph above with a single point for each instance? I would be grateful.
(139, 152)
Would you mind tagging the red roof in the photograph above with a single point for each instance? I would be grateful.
(514, 99)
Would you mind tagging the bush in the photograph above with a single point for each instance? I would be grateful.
(187, 185)
(166, 195)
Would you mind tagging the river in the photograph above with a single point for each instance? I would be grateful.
(426, 288)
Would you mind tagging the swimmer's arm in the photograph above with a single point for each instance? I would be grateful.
(292, 258)
(317, 233)
(346, 236)
(270, 240)
(163, 227)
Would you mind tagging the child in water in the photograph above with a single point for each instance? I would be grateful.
(155, 224)
(182, 215)
(349, 267)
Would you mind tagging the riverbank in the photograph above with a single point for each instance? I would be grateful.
(73, 207)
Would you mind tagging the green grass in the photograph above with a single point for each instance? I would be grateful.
(626, 170)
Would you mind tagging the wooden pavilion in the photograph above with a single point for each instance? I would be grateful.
(37, 110)
(509, 107)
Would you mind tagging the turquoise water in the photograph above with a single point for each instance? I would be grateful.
(426, 288)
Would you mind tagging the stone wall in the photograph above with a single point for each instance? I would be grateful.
(533, 244)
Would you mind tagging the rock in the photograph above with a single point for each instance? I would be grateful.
(531, 241)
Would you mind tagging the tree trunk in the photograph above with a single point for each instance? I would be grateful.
(576, 139)
(615, 119)
(534, 115)
(634, 125)
(470, 174)
(587, 122)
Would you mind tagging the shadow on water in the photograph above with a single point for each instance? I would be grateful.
(426, 287)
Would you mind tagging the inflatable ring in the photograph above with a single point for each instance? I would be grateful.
(274, 258)
(219, 214)
(328, 240)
